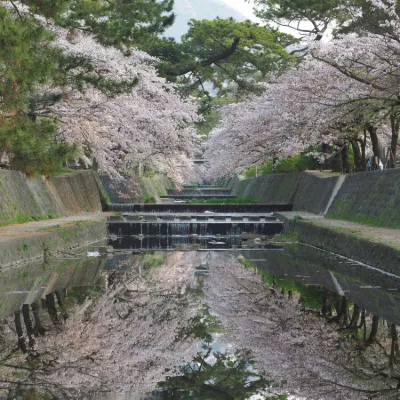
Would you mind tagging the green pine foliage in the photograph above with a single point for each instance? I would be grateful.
(123, 24)
(28, 61)
(232, 56)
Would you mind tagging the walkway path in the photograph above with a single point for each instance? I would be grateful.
(389, 237)
(36, 240)
(38, 226)
(378, 247)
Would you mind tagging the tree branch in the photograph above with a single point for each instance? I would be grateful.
(178, 71)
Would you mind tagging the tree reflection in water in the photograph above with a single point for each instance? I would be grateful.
(213, 375)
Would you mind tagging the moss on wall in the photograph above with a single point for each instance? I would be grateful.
(23, 200)
(137, 189)
(371, 198)
(313, 192)
(271, 188)
(346, 242)
(46, 242)
(306, 191)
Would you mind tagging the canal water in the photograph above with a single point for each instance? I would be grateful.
(200, 318)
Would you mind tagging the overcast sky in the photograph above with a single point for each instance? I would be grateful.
(242, 6)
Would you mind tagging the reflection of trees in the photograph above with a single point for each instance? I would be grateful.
(220, 377)
(34, 327)
(367, 331)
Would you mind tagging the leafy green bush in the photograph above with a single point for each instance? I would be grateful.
(150, 199)
(297, 163)
(237, 200)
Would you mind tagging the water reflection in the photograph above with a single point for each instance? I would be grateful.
(212, 375)
(122, 322)
(311, 272)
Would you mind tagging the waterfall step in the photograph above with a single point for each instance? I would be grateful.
(198, 208)
(202, 228)
(198, 196)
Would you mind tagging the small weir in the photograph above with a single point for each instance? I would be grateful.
(151, 230)
(197, 208)
(199, 193)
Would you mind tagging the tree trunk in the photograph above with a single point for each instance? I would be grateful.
(374, 330)
(60, 299)
(394, 350)
(51, 308)
(342, 311)
(363, 146)
(394, 123)
(355, 317)
(326, 308)
(357, 155)
(39, 329)
(375, 142)
(363, 323)
(20, 332)
(28, 324)
(327, 149)
(346, 167)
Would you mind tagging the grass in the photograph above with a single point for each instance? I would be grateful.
(293, 237)
(24, 218)
(330, 173)
(153, 259)
(363, 220)
(149, 200)
(237, 200)
(310, 296)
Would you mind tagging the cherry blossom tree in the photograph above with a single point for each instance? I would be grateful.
(114, 107)
(149, 124)
(347, 88)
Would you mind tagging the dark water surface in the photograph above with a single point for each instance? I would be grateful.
(205, 357)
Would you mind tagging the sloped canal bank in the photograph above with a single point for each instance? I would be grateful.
(202, 325)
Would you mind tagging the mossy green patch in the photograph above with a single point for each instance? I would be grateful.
(237, 200)
(310, 296)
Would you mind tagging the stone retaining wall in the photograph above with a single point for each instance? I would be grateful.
(369, 197)
(313, 192)
(47, 242)
(270, 188)
(307, 191)
(24, 199)
(137, 189)
(340, 241)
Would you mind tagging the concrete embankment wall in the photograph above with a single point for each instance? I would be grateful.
(47, 242)
(307, 191)
(137, 189)
(24, 199)
(270, 188)
(347, 243)
(370, 197)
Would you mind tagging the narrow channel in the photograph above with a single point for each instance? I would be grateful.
(202, 305)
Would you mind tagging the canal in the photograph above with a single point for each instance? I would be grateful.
(200, 315)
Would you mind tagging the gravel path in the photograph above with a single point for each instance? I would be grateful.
(36, 226)
(389, 237)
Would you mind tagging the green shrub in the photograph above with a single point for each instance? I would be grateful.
(237, 200)
(297, 163)
(149, 199)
